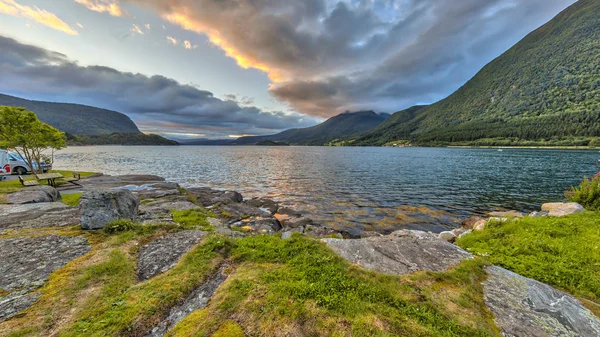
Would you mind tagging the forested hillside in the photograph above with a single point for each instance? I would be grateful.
(546, 89)
(75, 118)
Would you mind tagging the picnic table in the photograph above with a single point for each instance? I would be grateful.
(50, 177)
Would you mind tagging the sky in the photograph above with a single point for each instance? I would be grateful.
(227, 68)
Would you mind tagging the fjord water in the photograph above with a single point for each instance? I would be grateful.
(356, 188)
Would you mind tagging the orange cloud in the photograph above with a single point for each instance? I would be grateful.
(109, 6)
(10, 7)
(244, 61)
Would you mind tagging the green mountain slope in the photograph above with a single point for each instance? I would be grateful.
(341, 126)
(75, 118)
(546, 88)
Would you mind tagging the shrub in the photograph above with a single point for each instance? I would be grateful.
(587, 194)
(119, 226)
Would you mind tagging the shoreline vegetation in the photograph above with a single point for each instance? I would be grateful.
(264, 270)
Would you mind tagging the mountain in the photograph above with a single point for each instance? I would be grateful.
(75, 118)
(205, 141)
(341, 126)
(544, 90)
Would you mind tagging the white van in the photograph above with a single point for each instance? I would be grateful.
(4, 164)
(18, 164)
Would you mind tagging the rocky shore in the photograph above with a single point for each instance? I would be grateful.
(40, 235)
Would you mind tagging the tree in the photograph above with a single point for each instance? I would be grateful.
(22, 132)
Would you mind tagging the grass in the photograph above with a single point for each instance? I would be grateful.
(71, 199)
(193, 219)
(10, 186)
(563, 252)
(298, 286)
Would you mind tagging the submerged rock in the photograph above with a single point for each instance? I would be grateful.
(163, 253)
(527, 308)
(31, 195)
(562, 208)
(401, 252)
(98, 208)
(198, 299)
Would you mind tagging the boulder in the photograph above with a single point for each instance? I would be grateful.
(163, 253)
(267, 205)
(480, 225)
(100, 207)
(471, 222)
(401, 252)
(527, 308)
(506, 214)
(562, 208)
(209, 197)
(447, 236)
(48, 214)
(321, 232)
(32, 195)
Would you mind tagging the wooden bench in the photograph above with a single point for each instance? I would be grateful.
(76, 177)
(28, 182)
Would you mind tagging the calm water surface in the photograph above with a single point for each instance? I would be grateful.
(356, 189)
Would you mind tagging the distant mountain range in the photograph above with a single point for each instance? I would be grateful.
(543, 91)
(87, 125)
(339, 127)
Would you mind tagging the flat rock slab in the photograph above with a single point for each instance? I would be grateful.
(401, 252)
(25, 263)
(209, 197)
(15, 303)
(198, 299)
(31, 195)
(50, 214)
(562, 208)
(527, 308)
(163, 253)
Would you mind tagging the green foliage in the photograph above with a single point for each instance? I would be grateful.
(71, 199)
(193, 218)
(75, 118)
(587, 194)
(546, 88)
(119, 139)
(563, 252)
(119, 226)
(21, 131)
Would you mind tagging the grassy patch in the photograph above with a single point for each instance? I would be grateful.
(67, 173)
(193, 218)
(300, 287)
(71, 199)
(10, 186)
(563, 252)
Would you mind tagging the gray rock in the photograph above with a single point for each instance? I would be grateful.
(467, 232)
(527, 308)
(321, 232)
(16, 302)
(236, 212)
(209, 197)
(295, 222)
(162, 208)
(288, 234)
(447, 236)
(401, 252)
(159, 190)
(538, 214)
(98, 208)
(163, 253)
(31, 195)
(506, 214)
(198, 299)
(257, 225)
(49, 214)
(562, 208)
(265, 204)
(25, 263)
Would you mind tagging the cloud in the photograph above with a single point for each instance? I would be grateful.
(11, 7)
(111, 7)
(79, 25)
(328, 56)
(147, 26)
(156, 103)
(172, 40)
(135, 29)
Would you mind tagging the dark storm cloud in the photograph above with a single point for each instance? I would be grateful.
(326, 56)
(33, 71)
